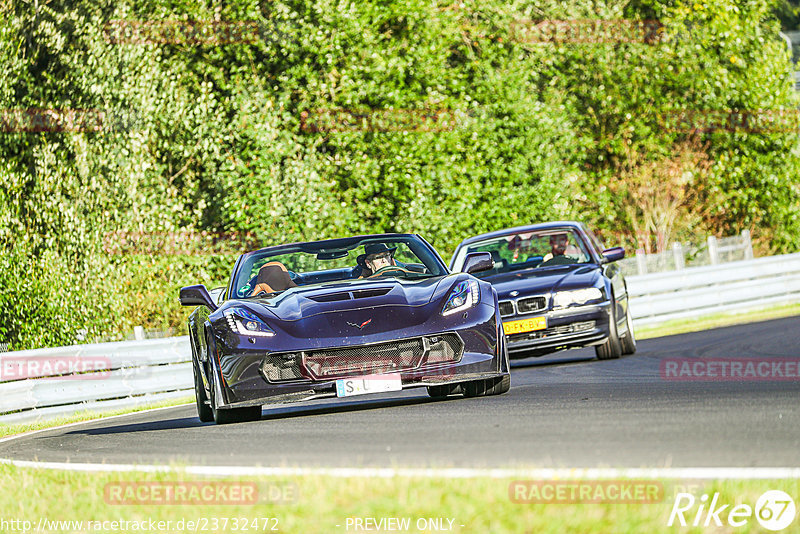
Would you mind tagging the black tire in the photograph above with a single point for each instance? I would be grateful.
(231, 415)
(612, 348)
(628, 341)
(203, 409)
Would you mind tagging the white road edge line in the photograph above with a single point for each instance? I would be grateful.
(709, 473)
(87, 421)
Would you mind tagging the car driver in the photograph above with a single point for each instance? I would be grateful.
(561, 252)
(378, 256)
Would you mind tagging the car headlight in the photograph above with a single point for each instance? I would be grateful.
(246, 323)
(562, 299)
(464, 296)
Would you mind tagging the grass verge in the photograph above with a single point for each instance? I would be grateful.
(88, 415)
(717, 320)
(325, 504)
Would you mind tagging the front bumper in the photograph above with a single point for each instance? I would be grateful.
(579, 326)
(246, 383)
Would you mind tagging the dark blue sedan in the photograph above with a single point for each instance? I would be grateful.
(558, 288)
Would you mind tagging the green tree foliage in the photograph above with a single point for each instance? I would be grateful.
(449, 122)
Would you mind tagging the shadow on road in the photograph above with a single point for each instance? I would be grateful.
(271, 412)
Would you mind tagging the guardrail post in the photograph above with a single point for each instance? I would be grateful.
(641, 261)
(748, 244)
(138, 333)
(713, 255)
(677, 254)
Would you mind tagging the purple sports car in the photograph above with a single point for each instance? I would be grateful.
(344, 317)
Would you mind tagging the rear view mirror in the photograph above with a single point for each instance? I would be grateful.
(332, 254)
(196, 296)
(476, 262)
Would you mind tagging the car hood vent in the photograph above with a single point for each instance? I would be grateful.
(349, 295)
(366, 293)
(330, 297)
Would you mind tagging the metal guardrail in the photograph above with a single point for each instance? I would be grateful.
(712, 251)
(699, 291)
(110, 376)
(46, 383)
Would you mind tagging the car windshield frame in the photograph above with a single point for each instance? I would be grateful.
(527, 235)
(342, 256)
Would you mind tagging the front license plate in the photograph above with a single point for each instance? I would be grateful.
(362, 385)
(525, 325)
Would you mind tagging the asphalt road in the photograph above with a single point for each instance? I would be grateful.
(565, 410)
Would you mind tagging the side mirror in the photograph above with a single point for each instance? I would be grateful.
(476, 262)
(196, 296)
(613, 254)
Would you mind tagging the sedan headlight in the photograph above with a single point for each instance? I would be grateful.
(464, 296)
(246, 323)
(563, 299)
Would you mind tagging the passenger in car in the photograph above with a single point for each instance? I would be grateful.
(273, 277)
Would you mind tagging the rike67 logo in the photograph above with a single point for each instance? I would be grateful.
(774, 510)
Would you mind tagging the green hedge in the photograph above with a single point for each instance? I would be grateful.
(204, 136)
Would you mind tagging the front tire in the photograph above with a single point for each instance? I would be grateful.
(629, 339)
(233, 415)
(230, 415)
(612, 348)
(203, 409)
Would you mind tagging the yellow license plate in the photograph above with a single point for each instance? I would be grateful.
(525, 325)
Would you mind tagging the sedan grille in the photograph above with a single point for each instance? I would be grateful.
(554, 331)
(531, 304)
(376, 358)
(506, 308)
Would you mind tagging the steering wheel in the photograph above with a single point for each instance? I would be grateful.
(383, 270)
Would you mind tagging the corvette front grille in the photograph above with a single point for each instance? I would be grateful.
(375, 358)
(281, 367)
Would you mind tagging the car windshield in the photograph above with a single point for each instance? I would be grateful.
(527, 250)
(308, 264)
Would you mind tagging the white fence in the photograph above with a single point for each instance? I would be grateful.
(698, 291)
(714, 251)
(45, 383)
